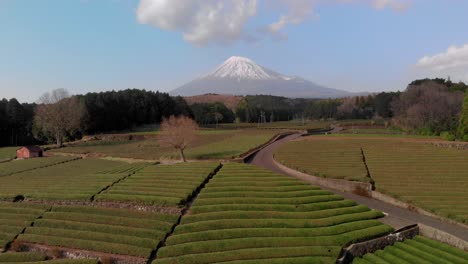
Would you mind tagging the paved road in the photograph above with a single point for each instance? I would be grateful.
(397, 217)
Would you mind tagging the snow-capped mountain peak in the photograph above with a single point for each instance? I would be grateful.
(242, 68)
(242, 76)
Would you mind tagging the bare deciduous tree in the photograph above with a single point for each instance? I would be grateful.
(58, 114)
(430, 105)
(178, 132)
(218, 117)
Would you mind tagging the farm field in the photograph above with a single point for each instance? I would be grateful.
(74, 180)
(16, 166)
(7, 153)
(14, 218)
(366, 131)
(166, 185)
(249, 215)
(114, 231)
(408, 168)
(419, 250)
(211, 144)
(320, 156)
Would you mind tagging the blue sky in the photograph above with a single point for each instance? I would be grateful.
(98, 45)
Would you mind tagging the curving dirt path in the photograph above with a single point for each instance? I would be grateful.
(396, 217)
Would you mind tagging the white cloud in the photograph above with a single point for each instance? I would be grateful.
(453, 62)
(397, 5)
(454, 57)
(301, 10)
(200, 21)
(224, 21)
(298, 12)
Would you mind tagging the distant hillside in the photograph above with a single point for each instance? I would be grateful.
(230, 101)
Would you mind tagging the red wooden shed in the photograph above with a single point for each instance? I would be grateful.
(28, 152)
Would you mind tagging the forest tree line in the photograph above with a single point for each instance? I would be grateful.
(429, 107)
(91, 113)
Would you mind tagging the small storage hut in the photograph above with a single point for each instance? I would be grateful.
(28, 152)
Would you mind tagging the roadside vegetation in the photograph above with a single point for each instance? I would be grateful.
(409, 168)
(417, 250)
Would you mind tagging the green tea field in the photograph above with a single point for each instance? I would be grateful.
(18, 166)
(7, 153)
(250, 215)
(114, 231)
(411, 169)
(418, 250)
(236, 214)
(75, 180)
(210, 144)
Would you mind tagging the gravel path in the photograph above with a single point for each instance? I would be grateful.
(396, 217)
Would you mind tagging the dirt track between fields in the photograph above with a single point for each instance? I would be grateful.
(396, 217)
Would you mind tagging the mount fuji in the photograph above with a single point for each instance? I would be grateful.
(242, 76)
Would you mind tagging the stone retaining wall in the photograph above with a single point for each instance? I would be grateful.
(360, 249)
(69, 253)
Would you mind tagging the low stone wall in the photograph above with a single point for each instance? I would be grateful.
(443, 237)
(360, 249)
(68, 253)
(390, 200)
(337, 184)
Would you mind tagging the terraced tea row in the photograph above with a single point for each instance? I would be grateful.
(113, 231)
(15, 218)
(249, 215)
(38, 258)
(76, 180)
(419, 250)
(167, 185)
(434, 178)
(17, 166)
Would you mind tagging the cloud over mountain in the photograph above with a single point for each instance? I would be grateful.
(202, 22)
